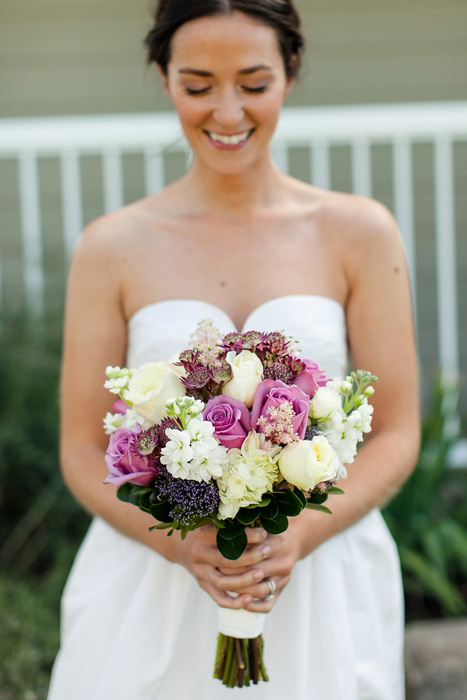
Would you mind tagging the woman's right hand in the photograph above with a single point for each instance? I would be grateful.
(199, 554)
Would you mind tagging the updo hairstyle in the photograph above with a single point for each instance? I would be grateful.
(281, 15)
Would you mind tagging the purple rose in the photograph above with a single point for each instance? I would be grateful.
(270, 394)
(311, 378)
(230, 418)
(125, 462)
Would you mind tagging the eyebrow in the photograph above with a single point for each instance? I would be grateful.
(207, 74)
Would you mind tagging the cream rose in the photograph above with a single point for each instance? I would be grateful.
(150, 387)
(324, 403)
(248, 372)
(306, 463)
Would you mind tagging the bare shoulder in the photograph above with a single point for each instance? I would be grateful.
(361, 224)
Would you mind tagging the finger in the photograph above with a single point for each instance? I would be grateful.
(226, 601)
(255, 535)
(242, 581)
(261, 606)
(250, 557)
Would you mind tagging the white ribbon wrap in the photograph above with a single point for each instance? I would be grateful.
(241, 623)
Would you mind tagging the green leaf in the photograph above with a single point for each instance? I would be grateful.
(317, 498)
(246, 516)
(265, 501)
(432, 580)
(124, 491)
(230, 532)
(162, 526)
(271, 510)
(300, 495)
(145, 500)
(160, 511)
(316, 506)
(289, 503)
(335, 490)
(232, 549)
(275, 526)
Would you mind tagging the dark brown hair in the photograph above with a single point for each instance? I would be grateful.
(281, 15)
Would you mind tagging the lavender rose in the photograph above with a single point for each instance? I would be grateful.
(270, 394)
(125, 462)
(230, 418)
(311, 379)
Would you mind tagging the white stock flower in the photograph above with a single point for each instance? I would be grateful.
(248, 372)
(251, 472)
(306, 463)
(128, 420)
(325, 403)
(194, 453)
(150, 387)
(118, 379)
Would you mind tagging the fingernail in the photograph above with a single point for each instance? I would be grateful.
(264, 534)
(258, 575)
(266, 549)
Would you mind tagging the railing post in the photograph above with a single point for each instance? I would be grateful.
(71, 200)
(113, 180)
(448, 338)
(404, 206)
(32, 236)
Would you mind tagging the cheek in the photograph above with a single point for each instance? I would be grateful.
(190, 113)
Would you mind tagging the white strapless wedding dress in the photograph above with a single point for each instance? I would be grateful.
(137, 627)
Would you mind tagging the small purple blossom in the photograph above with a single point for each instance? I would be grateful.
(190, 500)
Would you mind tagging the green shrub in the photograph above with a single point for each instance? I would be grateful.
(428, 520)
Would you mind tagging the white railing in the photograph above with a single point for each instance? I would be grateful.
(110, 137)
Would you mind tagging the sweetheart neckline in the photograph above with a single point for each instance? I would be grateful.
(218, 309)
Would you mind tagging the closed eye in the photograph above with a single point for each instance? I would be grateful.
(262, 88)
(202, 91)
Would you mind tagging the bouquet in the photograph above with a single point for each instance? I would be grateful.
(238, 431)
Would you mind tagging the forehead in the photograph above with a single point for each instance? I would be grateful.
(236, 38)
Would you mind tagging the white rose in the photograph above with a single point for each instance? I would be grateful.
(247, 372)
(325, 403)
(150, 387)
(306, 463)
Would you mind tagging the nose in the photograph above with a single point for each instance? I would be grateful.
(229, 110)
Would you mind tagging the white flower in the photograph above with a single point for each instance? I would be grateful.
(306, 463)
(247, 372)
(194, 453)
(150, 387)
(325, 403)
(118, 380)
(251, 472)
(128, 420)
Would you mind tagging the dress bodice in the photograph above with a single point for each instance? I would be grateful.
(317, 324)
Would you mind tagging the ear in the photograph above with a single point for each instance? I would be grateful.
(165, 82)
(289, 86)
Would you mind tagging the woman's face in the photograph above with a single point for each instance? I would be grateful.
(227, 81)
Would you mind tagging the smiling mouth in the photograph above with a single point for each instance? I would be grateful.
(233, 140)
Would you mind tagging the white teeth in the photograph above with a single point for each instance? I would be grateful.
(229, 140)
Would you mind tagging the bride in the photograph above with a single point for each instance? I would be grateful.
(239, 242)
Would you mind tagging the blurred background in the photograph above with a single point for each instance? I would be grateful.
(380, 109)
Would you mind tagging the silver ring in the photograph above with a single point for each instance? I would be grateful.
(272, 588)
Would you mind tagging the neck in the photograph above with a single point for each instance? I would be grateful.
(239, 194)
